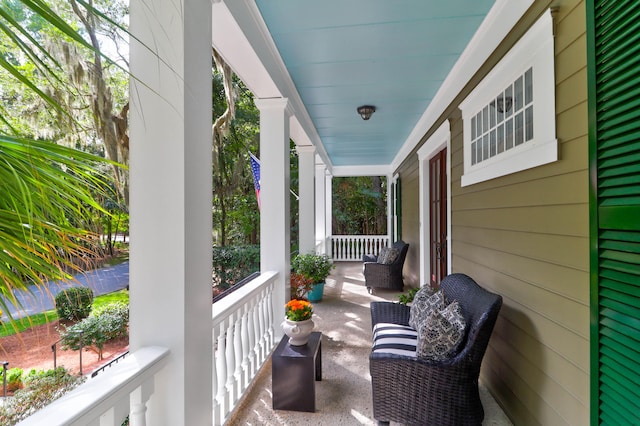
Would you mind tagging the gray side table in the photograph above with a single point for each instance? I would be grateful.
(294, 372)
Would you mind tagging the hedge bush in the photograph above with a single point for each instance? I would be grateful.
(233, 263)
(100, 327)
(74, 304)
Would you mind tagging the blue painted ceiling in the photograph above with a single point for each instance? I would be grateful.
(394, 55)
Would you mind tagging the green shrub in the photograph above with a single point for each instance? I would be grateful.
(233, 263)
(41, 388)
(404, 299)
(316, 267)
(102, 326)
(74, 303)
(14, 378)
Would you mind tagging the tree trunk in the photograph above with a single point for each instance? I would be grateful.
(381, 211)
(111, 128)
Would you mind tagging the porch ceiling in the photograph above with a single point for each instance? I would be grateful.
(336, 55)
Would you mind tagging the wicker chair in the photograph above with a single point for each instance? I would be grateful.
(414, 391)
(385, 276)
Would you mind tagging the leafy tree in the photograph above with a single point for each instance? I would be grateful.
(74, 96)
(46, 190)
(359, 206)
(235, 212)
(97, 329)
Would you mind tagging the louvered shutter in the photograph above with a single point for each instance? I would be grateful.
(614, 93)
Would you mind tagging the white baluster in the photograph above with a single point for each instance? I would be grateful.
(214, 378)
(237, 353)
(222, 372)
(138, 400)
(251, 331)
(352, 246)
(256, 332)
(270, 319)
(230, 364)
(335, 241)
(246, 351)
(262, 328)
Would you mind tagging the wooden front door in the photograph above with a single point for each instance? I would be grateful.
(438, 217)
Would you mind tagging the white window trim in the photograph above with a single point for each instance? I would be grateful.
(535, 49)
(440, 139)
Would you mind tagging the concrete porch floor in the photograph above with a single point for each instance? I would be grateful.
(343, 397)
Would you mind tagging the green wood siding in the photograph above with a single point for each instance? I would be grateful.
(614, 107)
(410, 206)
(526, 237)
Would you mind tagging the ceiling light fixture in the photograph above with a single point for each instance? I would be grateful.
(504, 104)
(365, 111)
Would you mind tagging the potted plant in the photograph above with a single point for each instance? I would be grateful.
(300, 286)
(297, 323)
(317, 268)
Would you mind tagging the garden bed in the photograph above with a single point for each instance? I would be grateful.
(31, 349)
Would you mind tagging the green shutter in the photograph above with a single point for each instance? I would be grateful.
(614, 138)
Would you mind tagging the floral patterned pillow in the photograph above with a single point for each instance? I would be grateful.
(424, 303)
(387, 256)
(441, 334)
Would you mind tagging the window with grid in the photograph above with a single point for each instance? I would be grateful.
(509, 118)
(506, 122)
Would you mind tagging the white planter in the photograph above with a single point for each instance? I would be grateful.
(298, 331)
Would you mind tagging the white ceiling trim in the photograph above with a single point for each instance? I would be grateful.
(348, 171)
(500, 20)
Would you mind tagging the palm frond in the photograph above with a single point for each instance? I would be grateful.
(48, 192)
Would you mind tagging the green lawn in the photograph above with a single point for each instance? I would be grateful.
(9, 328)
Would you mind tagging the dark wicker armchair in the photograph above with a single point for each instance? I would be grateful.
(385, 276)
(414, 391)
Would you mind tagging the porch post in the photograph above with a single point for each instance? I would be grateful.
(320, 209)
(328, 212)
(306, 192)
(390, 209)
(275, 229)
(170, 203)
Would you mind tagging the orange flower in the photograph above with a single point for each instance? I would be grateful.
(298, 310)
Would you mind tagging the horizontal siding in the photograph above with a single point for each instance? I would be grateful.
(547, 190)
(553, 317)
(410, 181)
(560, 256)
(554, 219)
(532, 384)
(526, 237)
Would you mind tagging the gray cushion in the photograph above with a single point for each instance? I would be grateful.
(424, 303)
(387, 255)
(441, 334)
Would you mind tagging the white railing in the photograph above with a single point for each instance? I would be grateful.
(353, 247)
(243, 338)
(109, 398)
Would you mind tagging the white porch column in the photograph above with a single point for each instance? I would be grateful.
(328, 212)
(170, 172)
(275, 228)
(320, 207)
(391, 211)
(306, 204)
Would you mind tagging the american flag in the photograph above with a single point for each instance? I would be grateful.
(255, 168)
